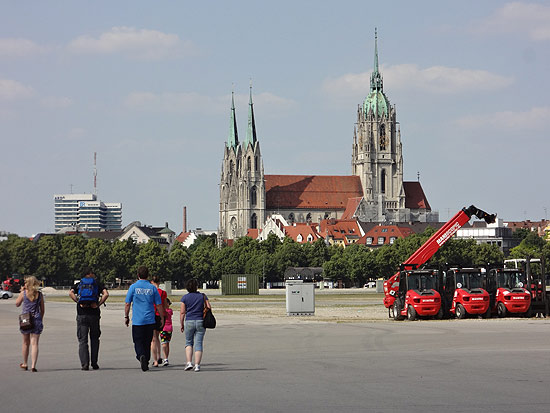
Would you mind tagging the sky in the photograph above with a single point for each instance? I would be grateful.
(147, 85)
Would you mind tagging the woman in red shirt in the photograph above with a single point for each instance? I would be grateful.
(159, 309)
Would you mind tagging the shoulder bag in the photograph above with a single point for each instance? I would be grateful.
(26, 320)
(209, 321)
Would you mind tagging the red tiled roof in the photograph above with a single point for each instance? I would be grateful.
(252, 233)
(340, 229)
(385, 231)
(415, 197)
(351, 207)
(311, 191)
(182, 237)
(293, 231)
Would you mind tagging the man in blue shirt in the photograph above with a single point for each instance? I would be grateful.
(144, 296)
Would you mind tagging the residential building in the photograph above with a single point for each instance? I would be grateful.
(84, 212)
(385, 235)
(142, 234)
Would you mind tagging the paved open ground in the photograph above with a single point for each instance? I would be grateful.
(259, 360)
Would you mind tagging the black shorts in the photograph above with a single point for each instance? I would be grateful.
(158, 324)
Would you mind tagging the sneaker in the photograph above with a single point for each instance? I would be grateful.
(189, 366)
(144, 363)
(164, 363)
(197, 367)
(85, 368)
(95, 366)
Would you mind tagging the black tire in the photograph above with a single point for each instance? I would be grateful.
(460, 311)
(411, 313)
(439, 315)
(397, 311)
(528, 313)
(501, 310)
(487, 314)
(5, 296)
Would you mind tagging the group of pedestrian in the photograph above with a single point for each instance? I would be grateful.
(151, 320)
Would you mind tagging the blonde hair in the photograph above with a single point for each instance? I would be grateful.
(32, 287)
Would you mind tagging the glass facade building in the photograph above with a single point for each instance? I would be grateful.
(87, 213)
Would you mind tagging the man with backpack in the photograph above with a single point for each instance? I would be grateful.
(89, 294)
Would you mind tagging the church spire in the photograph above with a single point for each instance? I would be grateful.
(376, 77)
(251, 131)
(233, 139)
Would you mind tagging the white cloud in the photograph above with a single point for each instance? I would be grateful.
(530, 18)
(56, 102)
(435, 79)
(11, 90)
(141, 44)
(16, 47)
(535, 118)
(196, 103)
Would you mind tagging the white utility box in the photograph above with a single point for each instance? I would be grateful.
(300, 298)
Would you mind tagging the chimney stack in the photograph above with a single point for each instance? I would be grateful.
(184, 219)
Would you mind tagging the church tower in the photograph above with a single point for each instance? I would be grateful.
(377, 153)
(242, 184)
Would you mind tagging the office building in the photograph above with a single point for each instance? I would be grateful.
(84, 212)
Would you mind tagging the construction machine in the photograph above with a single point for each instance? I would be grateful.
(508, 292)
(463, 292)
(397, 296)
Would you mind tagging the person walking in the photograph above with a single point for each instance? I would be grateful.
(155, 344)
(191, 320)
(166, 333)
(143, 296)
(33, 303)
(88, 294)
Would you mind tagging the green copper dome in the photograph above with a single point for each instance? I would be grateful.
(377, 103)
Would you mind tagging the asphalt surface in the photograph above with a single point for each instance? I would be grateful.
(255, 365)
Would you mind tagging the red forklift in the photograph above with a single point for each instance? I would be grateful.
(12, 284)
(463, 293)
(419, 293)
(395, 295)
(508, 293)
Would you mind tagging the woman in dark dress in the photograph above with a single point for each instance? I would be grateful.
(33, 303)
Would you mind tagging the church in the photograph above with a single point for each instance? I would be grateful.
(374, 192)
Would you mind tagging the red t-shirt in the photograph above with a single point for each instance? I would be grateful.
(163, 297)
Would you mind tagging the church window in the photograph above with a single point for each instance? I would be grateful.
(248, 164)
(383, 138)
(231, 170)
(253, 221)
(308, 218)
(327, 215)
(383, 181)
(253, 197)
(291, 218)
(256, 162)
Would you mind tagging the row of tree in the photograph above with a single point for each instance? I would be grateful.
(59, 259)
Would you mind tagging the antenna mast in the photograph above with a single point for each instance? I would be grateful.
(95, 173)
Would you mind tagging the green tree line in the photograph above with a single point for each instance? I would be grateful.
(60, 259)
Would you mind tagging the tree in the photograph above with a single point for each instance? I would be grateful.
(123, 257)
(532, 246)
(316, 253)
(179, 266)
(154, 257)
(289, 254)
(23, 256)
(202, 260)
(73, 250)
(98, 258)
(51, 266)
